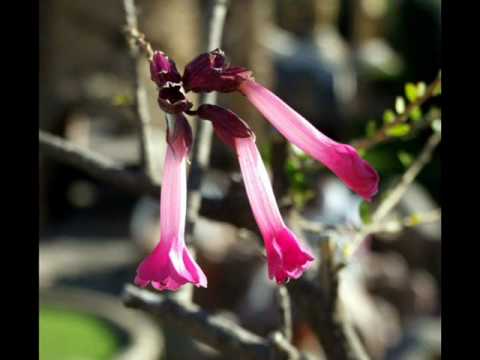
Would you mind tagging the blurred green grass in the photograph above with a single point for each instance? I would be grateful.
(68, 335)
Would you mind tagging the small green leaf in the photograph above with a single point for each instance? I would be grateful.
(405, 158)
(388, 116)
(362, 152)
(371, 128)
(411, 92)
(421, 88)
(416, 114)
(400, 105)
(299, 177)
(398, 130)
(437, 125)
(365, 212)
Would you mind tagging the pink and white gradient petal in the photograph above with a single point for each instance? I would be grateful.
(340, 158)
(286, 257)
(170, 264)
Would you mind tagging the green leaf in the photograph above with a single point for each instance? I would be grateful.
(371, 128)
(416, 114)
(365, 211)
(437, 125)
(398, 130)
(421, 88)
(411, 92)
(400, 105)
(405, 158)
(299, 178)
(388, 116)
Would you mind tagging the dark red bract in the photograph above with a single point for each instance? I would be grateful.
(211, 72)
(226, 123)
(163, 70)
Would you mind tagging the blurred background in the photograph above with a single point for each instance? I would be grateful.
(340, 63)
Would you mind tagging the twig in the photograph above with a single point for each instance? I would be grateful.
(336, 335)
(214, 330)
(381, 135)
(133, 34)
(111, 172)
(395, 195)
(141, 102)
(396, 226)
(422, 218)
(285, 310)
(203, 133)
(96, 165)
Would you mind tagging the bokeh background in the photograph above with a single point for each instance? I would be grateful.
(340, 63)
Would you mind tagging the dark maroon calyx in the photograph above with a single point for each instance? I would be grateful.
(211, 72)
(171, 99)
(227, 125)
(163, 70)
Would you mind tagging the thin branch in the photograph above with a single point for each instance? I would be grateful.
(411, 221)
(203, 133)
(285, 311)
(141, 101)
(381, 135)
(396, 194)
(137, 183)
(336, 335)
(213, 330)
(428, 217)
(96, 165)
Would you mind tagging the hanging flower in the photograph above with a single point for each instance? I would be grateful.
(285, 255)
(342, 159)
(212, 73)
(170, 265)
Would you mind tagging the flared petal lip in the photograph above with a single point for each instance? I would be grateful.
(341, 159)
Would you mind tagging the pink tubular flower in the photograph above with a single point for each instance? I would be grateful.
(211, 72)
(286, 257)
(342, 159)
(170, 264)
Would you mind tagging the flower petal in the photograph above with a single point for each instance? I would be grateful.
(286, 256)
(170, 265)
(342, 159)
